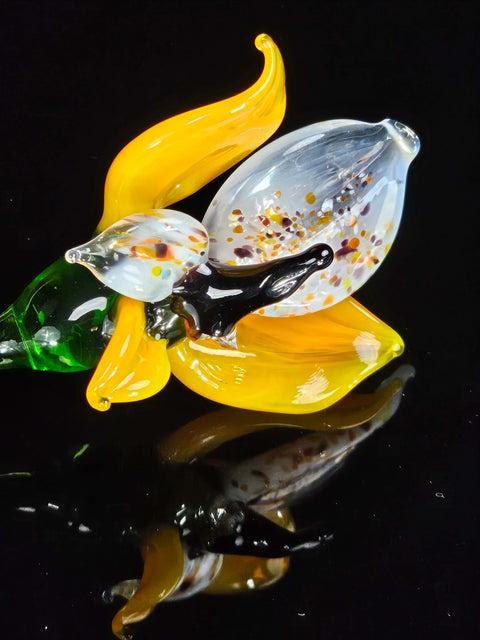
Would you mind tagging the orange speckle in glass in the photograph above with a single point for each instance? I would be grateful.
(310, 198)
(146, 253)
(353, 243)
(324, 220)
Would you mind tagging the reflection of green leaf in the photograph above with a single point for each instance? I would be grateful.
(80, 451)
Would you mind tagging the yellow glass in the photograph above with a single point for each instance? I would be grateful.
(204, 434)
(164, 164)
(163, 558)
(178, 156)
(134, 366)
(245, 573)
(288, 365)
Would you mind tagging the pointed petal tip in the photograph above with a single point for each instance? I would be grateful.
(263, 41)
(406, 138)
(72, 256)
(97, 401)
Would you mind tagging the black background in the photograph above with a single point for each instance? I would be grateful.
(79, 81)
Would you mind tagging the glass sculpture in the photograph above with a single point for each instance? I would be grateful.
(252, 306)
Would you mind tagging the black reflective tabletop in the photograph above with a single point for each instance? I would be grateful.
(79, 80)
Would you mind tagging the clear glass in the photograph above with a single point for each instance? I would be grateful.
(144, 255)
(340, 182)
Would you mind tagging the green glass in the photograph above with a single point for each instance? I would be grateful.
(59, 323)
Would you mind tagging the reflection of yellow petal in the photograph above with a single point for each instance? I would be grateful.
(175, 158)
(163, 568)
(133, 366)
(288, 365)
(204, 434)
(245, 573)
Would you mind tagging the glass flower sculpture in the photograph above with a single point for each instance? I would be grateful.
(252, 306)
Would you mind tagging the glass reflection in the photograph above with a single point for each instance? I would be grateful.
(209, 509)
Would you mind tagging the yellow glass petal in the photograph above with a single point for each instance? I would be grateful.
(178, 156)
(133, 366)
(245, 573)
(288, 365)
(163, 568)
(204, 434)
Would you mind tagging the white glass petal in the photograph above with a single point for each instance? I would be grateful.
(341, 182)
(144, 255)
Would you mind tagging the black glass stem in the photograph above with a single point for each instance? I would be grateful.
(212, 302)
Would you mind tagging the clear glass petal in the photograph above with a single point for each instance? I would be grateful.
(340, 182)
(143, 256)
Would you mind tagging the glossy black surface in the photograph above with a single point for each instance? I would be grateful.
(80, 80)
(118, 494)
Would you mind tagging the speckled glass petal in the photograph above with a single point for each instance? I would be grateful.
(144, 256)
(340, 182)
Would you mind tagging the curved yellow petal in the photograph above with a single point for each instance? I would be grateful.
(245, 573)
(175, 158)
(163, 568)
(288, 365)
(133, 366)
(204, 434)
